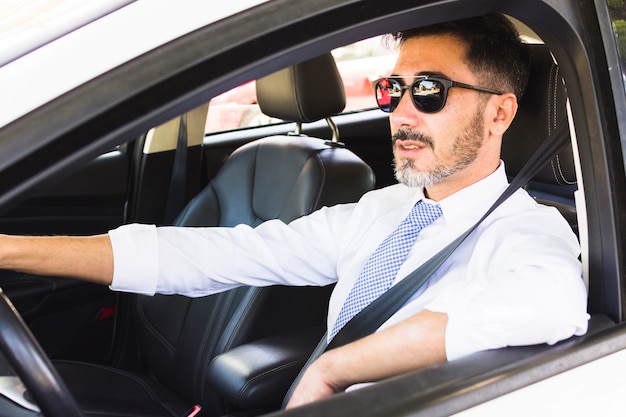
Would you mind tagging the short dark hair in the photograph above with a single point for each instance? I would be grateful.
(494, 49)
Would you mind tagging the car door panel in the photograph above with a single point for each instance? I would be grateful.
(71, 319)
(91, 200)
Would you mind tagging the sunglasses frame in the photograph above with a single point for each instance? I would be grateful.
(445, 82)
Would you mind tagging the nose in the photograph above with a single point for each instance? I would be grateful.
(405, 114)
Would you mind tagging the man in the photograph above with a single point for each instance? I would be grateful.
(515, 281)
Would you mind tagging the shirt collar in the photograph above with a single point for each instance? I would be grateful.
(475, 199)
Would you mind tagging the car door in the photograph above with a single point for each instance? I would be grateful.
(131, 183)
(71, 319)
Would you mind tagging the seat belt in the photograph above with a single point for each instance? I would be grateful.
(176, 193)
(368, 320)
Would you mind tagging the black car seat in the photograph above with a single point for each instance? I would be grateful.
(281, 177)
(541, 109)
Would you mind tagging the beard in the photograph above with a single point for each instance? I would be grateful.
(462, 152)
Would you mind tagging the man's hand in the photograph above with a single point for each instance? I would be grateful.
(414, 343)
(314, 384)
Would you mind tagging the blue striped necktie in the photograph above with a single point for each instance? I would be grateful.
(382, 267)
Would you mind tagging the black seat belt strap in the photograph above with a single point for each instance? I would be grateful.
(369, 319)
(176, 193)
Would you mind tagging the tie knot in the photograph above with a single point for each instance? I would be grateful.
(424, 213)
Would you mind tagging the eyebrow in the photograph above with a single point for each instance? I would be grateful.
(434, 74)
(424, 74)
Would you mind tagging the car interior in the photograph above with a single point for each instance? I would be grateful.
(278, 177)
(236, 353)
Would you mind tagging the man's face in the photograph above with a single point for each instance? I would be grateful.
(437, 148)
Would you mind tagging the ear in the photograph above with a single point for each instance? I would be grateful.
(504, 110)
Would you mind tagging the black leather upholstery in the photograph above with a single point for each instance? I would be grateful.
(289, 94)
(306, 174)
(541, 109)
(281, 177)
(256, 375)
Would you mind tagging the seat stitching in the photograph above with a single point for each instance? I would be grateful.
(130, 375)
(205, 348)
(552, 113)
(269, 372)
(236, 321)
(315, 156)
(152, 329)
(318, 158)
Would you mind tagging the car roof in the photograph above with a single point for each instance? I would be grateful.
(28, 25)
(88, 42)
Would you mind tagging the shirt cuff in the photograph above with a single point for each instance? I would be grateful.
(463, 338)
(135, 259)
(473, 328)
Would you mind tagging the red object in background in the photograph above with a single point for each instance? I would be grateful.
(107, 312)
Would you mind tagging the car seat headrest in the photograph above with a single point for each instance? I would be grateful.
(306, 92)
(541, 109)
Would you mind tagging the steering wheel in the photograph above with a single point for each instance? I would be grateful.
(30, 362)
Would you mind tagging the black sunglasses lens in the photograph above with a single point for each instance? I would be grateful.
(428, 95)
(388, 94)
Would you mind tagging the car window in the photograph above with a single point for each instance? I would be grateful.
(359, 64)
(617, 10)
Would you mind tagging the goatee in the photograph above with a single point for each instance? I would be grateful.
(463, 151)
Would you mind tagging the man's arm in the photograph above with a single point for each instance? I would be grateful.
(414, 343)
(88, 258)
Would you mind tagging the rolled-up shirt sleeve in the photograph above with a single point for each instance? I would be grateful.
(532, 292)
(135, 256)
(198, 261)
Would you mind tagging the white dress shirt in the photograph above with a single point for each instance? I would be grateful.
(515, 281)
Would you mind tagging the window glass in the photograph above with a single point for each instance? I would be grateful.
(359, 64)
(617, 9)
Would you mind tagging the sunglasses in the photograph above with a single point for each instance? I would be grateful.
(428, 93)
